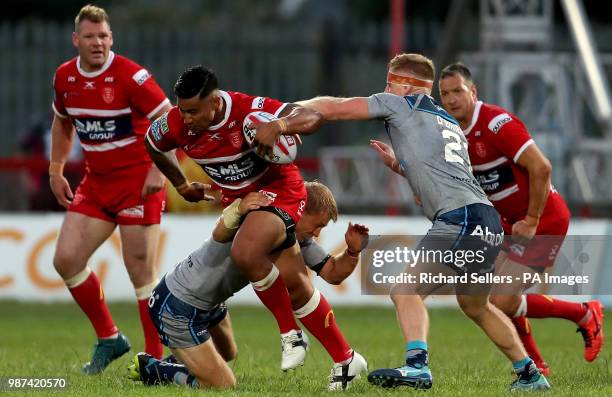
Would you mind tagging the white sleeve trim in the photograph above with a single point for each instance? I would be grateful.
(57, 113)
(158, 108)
(280, 109)
(148, 138)
(522, 149)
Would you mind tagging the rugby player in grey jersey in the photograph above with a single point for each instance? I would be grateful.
(188, 309)
(431, 153)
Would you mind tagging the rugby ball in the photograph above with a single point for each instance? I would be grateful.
(285, 147)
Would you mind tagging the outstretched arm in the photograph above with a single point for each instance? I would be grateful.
(333, 108)
(292, 120)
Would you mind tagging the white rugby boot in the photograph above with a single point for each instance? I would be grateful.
(342, 376)
(294, 345)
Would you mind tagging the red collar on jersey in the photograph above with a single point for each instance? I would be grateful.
(405, 80)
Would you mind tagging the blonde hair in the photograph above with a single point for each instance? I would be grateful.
(91, 13)
(320, 200)
(417, 64)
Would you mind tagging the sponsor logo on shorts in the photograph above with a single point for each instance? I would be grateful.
(133, 212)
(499, 121)
(487, 236)
(141, 76)
(270, 195)
(553, 252)
(518, 249)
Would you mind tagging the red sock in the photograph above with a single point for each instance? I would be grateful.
(543, 306)
(152, 344)
(90, 297)
(273, 294)
(320, 321)
(524, 331)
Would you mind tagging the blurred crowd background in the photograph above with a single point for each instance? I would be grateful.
(523, 55)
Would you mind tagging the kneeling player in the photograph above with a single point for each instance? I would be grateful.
(188, 307)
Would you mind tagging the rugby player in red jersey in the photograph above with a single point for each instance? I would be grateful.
(108, 100)
(516, 177)
(207, 125)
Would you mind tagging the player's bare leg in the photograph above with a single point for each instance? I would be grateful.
(139, 244)
(412, 316)
(313, 310)
(79, 237)
(494, 323)
(519, 306)
(260, 233)
(499, 329)
(222, 335)
(413, 320)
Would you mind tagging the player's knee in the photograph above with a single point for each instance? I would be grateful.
(66, 264)
(399, 296)
(225, 380)
(230, 353)
(242, 254)
(505, 303)
(473, 309)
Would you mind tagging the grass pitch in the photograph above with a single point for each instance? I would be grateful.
(40, 340)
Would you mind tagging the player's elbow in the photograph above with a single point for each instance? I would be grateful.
(543, 169)
(333, 276)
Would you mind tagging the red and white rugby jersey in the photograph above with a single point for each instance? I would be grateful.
(109, 109)
(496, 139)
(222, 150)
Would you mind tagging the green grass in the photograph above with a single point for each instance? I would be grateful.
(54, 341)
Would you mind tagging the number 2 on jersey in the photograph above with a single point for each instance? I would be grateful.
(451, 148)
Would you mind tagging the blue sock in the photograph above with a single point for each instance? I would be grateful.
(416, 354)
(168, 372)
(183, 379)
(519, 365)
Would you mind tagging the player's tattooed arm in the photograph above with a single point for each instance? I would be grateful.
(168, 164)
(229, 221)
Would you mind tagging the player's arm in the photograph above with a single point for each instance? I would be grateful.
(333, 108)
(62, 135)
(337, 268)
(387, 155)
(539, 169)
(168, 164)
(155, 180)
(229, 221)
(292, 119)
